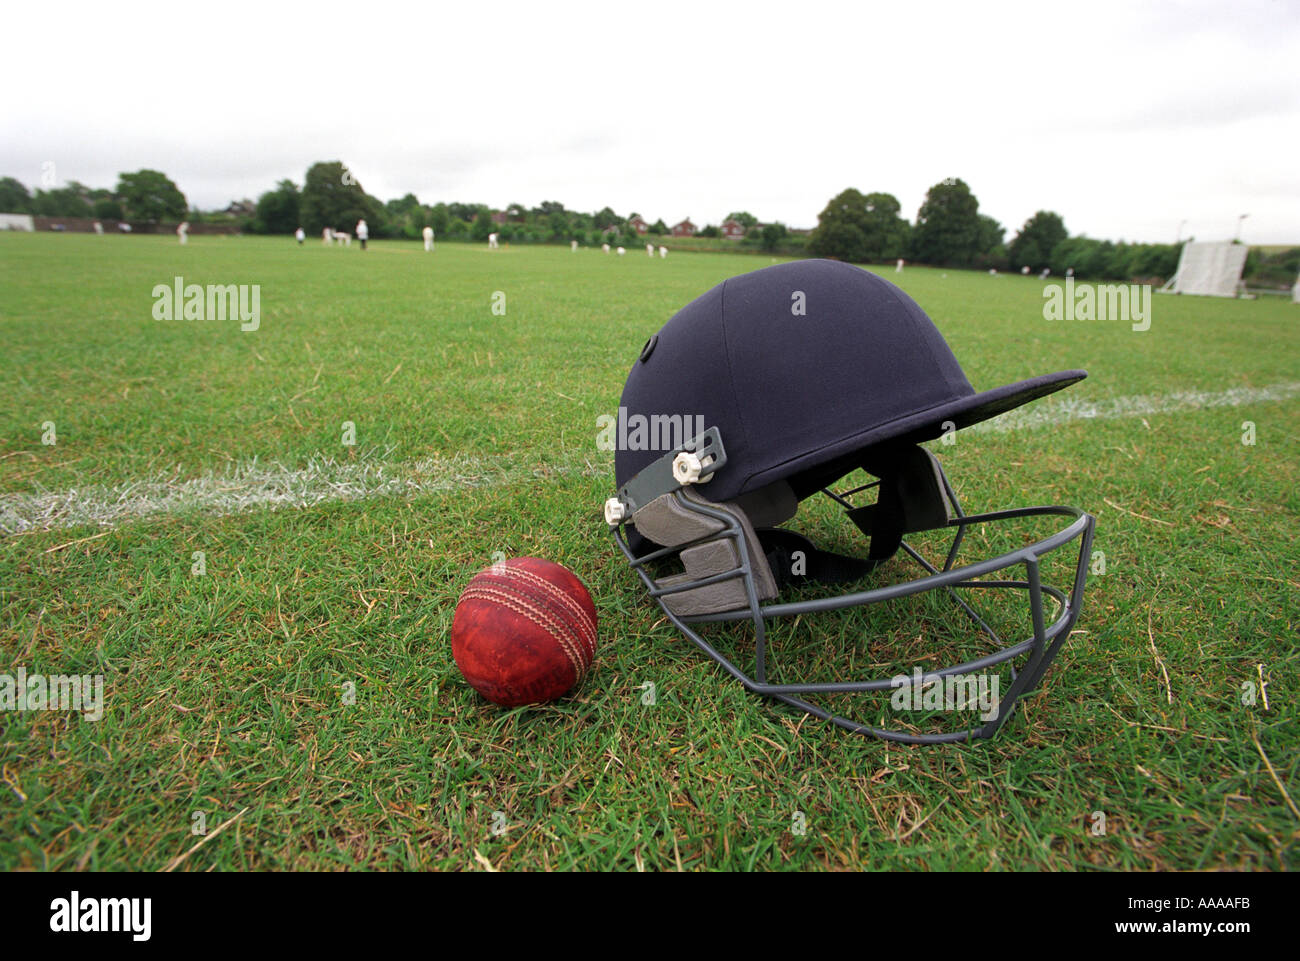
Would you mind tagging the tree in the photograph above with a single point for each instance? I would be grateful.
(109, 209)
(406, 216)
(710, 230)
(465, 212)
(333, 197)
(400, 208)
(455, 228)
(439, 219)
(278, 209)
(606, 218)
(990, 234)
(773, 234)
(658, 228)
(557, 223)
(104, 205)
(1087, 257)
(947, 231)
(60, 202)
(1033, 246)
(1161, 260)
(150, 196)
(1277, 269)
(860, 228)
(744, 218)
(482, 226)
(82, 191)
(990, 252)
(14, 198)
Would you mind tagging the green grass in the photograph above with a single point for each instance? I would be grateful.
(225, 692)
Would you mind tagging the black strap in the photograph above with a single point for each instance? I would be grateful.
(794, 559)
(911, 498)
(880, 525)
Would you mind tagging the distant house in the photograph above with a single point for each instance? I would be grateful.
(241, 208)
(500, 217)
(733, 229)
(684, 229)
(639, 225)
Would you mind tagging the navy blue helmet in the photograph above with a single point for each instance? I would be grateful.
(773, 387)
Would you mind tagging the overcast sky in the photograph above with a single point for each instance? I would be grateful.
(1127, 119)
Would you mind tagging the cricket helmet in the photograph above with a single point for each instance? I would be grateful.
(773, 387)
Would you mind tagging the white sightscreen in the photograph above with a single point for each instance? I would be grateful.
(16, 222)
(1213, 269)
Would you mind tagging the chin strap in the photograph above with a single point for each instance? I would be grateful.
(795, 560)
(913, 496)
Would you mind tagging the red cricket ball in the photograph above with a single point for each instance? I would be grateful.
(524, 631)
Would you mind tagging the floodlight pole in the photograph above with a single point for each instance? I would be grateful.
(1237, 239)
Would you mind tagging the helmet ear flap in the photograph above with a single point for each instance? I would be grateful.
(675, 519)
(913, 497)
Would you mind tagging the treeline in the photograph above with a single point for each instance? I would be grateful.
(146, 196)
(949, 231)
(331, 196)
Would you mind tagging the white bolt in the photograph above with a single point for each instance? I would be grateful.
(687, 467)
(615, 512)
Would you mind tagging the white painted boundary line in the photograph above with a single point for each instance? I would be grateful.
(1059, 409)
(249, 485)
(254, 484)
